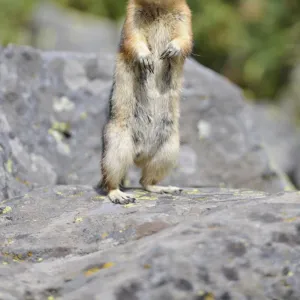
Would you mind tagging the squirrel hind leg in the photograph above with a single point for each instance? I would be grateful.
(159, 167)
(124, 182)
(116, 159)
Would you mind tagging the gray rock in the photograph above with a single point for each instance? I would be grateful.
(281, 137)
(218, 127)
(61, 107)
(68, 242)
(57, 28)
(20, 170)
(61, 99)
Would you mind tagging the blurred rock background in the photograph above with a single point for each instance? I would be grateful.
(255, 43)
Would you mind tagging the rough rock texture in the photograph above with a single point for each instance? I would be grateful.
(20, 170)
(68, 243)
(219, 137)
(57, 28)
(280, 136)
(61, 100)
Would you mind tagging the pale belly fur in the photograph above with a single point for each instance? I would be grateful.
(153, 120)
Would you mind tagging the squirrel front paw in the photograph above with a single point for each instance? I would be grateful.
(146, 62)
(172, 50)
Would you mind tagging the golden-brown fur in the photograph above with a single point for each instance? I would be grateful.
(144, 106)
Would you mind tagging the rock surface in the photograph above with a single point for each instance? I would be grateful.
(68, 242)
(20, 170)
(61, 99)
(61, 29)
(280, 136)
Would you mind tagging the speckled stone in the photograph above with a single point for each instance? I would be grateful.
(69, 242)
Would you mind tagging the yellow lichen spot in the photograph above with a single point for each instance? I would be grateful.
(61, 127)
(98, 198)
(147, 266)
(290, 274)
(78, 220)
(9, 241)
(151, 198)
(83, 115)
(201, 198)
(206, 296)
(104, 235)
(80, 194)
(29, 254)
(193, 192)
(289, 188)
(23, 181)
(4, 263)
(94, 270)
(290, 220)
(6, 210)
(40, 259)
(209, 296)
(59, 193)
(17, 257)
(129, 205)
(50, 298)
(8, 166)
(57, 135)
(108, 265)
(140, 192)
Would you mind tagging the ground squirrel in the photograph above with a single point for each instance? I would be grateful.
(143, 124)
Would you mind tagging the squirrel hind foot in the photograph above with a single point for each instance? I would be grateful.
(119, 197)
(163, 189)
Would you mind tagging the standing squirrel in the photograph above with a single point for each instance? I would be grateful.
(143, 124)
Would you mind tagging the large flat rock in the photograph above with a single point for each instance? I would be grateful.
(69, 242)
(56, 102)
